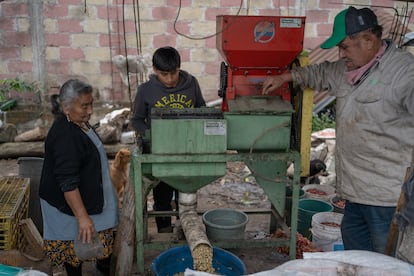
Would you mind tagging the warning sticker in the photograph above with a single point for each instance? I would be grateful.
(215, 128)
(290, 23)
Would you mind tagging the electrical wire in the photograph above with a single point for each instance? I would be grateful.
(126, 51)
(110, 41)
(204, 37)
(138, 36)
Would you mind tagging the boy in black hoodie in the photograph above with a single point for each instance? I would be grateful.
(172, 87)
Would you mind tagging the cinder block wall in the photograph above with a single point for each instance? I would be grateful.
(51, 41)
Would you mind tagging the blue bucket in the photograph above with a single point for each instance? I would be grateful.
(177, 259)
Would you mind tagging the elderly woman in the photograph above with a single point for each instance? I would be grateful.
(76, 192)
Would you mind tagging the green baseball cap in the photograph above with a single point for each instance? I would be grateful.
(348, 22)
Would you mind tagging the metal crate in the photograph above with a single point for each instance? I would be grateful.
(14, 206)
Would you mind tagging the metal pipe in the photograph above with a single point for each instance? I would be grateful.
(195, 234)
(191, 223)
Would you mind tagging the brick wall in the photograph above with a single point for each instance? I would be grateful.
(82, 36)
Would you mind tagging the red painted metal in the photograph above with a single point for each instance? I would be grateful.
(256, 46)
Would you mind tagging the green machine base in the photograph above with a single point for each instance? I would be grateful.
(269, 170)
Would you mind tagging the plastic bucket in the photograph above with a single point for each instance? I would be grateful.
(318, 191)
(326, 231)
(6, 270)
(175, 260)
(31, 167)
(307, 208)
(225, 224)
(337, 203)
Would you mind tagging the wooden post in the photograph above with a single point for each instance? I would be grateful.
(123, 251)
(393, 234)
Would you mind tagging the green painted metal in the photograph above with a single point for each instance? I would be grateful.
(271, 176)
(269, 170)
(188, 177)
(189, 151)
(188, 136)
(258, 132)
(258, 124)
(188, 131)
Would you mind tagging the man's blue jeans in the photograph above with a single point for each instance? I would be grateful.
(366, 227)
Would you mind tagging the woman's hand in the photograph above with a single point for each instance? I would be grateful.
(86, 228)
(85, 223)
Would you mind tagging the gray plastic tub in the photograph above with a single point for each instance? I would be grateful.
(225, 224)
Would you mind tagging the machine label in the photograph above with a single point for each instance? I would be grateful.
(264, 31)
(290, 23)
(214, 128)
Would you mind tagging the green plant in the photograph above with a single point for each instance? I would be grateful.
(322, 120)
(7, 86)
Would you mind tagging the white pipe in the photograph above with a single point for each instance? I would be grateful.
(214, 102)
(193, 227)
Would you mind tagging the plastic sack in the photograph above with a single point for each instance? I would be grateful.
(373, 263)
(86, 251)
(335, 263)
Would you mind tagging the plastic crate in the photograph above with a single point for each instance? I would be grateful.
(14, 206)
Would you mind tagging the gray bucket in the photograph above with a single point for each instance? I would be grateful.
(225, 224)
(31, 167)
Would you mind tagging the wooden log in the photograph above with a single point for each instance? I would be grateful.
(36, 149)
(123, 250)
(33, 135)
(19, 149)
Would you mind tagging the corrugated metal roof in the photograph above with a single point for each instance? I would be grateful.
(391, 29)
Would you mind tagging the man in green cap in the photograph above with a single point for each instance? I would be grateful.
(373, 85)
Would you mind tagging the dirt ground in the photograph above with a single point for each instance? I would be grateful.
(235, 190)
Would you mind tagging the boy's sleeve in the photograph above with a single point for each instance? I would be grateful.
(199, 96)
(138, 120)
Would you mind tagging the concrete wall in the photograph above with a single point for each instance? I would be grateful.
(52, 40)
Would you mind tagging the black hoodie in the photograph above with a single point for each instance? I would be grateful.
(187, 94)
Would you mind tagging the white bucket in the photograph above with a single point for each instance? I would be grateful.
(322, 192)
(326, 237)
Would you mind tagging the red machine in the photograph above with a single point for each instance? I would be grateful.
(254, 47)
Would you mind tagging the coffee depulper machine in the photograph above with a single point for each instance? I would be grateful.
(190, 147)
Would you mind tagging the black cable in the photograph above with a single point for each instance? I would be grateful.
(138, 35)
(110, 42)
(126, 51)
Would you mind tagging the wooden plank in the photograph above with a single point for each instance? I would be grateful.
(393, 233)
(36, 149)
(123, 251)
(34, 242)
